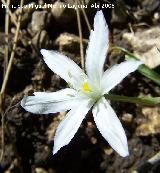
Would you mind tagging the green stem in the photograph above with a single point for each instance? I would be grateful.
(150, 101)
(124, 50)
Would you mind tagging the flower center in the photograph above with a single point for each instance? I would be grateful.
(86, 87)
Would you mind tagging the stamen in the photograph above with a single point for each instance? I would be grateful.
(86, 87)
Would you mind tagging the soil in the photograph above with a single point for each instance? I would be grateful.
(29, 138)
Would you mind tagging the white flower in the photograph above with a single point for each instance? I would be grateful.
(86, 91)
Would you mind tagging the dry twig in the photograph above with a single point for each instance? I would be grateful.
(6, 37)
(85, 15)
(3, 128)
(10, 13)
(81, 37)
(13, 51)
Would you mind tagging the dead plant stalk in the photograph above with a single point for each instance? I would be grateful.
(81, 37)
(10, 13)
(6, 37)
(8, 70)
(85, 15)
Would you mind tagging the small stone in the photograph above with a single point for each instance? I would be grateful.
(144, 44)
(108, 151)
(70, 43)
(93, 140)
(126, 117)
(41, 40)
(62, 14)
(40, 170)
(150, 123)
(40, 20)
(156, 16)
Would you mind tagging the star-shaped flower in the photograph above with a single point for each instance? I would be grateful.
(86, 91)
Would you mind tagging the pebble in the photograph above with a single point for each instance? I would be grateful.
(62, 15)
(127, 117)
(40, 20)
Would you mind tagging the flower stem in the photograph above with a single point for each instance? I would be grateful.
(150, 101)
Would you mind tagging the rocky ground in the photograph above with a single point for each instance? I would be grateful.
(29, 138)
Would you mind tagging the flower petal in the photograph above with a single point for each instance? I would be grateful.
(117, 73)
(64, 67)
(97, 48)
(110, 127)
(44, 103)
(69, 126)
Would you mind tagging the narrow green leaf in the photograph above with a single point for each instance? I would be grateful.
(150, 101)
